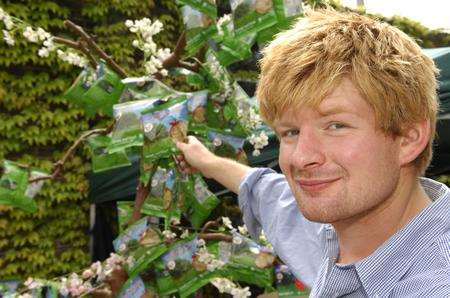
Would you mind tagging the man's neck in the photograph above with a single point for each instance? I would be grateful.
(360, 236)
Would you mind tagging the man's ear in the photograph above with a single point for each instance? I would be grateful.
(414, 139)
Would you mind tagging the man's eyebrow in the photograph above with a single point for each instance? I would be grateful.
(333, 110)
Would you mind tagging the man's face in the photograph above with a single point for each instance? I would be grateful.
(338, 164)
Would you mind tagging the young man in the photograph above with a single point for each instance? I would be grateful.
(353, 103)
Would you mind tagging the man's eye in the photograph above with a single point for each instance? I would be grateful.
(290, 133)
(336, 126)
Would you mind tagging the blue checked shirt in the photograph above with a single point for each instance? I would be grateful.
(414, 262)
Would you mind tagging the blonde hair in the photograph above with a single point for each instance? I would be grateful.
(302, 65)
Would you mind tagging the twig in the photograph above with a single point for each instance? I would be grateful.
(142, 192)
(174, 59)
(215, 236)
(58, 166)
(209, 224)
(95, 48)
(80, 46)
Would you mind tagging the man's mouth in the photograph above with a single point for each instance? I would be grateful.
(314, 185)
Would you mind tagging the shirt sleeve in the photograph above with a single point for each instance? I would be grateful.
(267, 203)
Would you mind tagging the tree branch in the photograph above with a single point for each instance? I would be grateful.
(215, 236)
(174, 59)
(95, 48)
(58, 166)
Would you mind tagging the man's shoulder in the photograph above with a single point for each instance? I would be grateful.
(429, 283)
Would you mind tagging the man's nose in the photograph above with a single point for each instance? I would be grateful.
(308, 151)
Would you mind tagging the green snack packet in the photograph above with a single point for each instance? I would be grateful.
(200, 199)
(287, 285)
(142, 88)
(199, 28)
(230, 146)
(104, 92)
(133, 288)
(124, 213)
(163, 126)
(251, 263)
(14, 187)
(103, 160)
(142, 244)
(162, 200)
(252, 16)
(76, 92)
(127, 130)
(233, 49)
(176, 267)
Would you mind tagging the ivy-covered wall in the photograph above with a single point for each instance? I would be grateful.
(35, 121)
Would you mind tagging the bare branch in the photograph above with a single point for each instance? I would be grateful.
(58, 166)
(215, 236)
(95, 48)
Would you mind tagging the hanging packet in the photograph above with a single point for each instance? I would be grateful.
(124, 213)
(104, 92)
(163, 126)
(162, 200)
(200, 199)
(142, 243)
(252, 16)
(103, 160)
(127, 129)
(146, 89)
(79, 87)
(229, 146)
(250, 262)
(96, 91)
(14, 187)
(176, 271)
(199, 28)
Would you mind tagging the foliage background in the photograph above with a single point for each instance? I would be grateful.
(37, 124)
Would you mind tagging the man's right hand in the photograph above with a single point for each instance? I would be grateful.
(196, 157)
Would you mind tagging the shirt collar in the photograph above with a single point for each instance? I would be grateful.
(381, 270)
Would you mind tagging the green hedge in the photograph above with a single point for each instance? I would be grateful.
(35, 121)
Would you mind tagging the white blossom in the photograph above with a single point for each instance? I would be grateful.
(8, 22)
(129, 23)
(43, 52)
(169, 235)
(30, 34)
(185, 234)
(258, 142)
(88, 273)
(25, 295)
(8, 38)
(222, 21)
(209, 259)
(243, 230)
(225, 285)
(145, 29)
(227, 222)
(201, 242)
(72, 58)
(31, 283)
